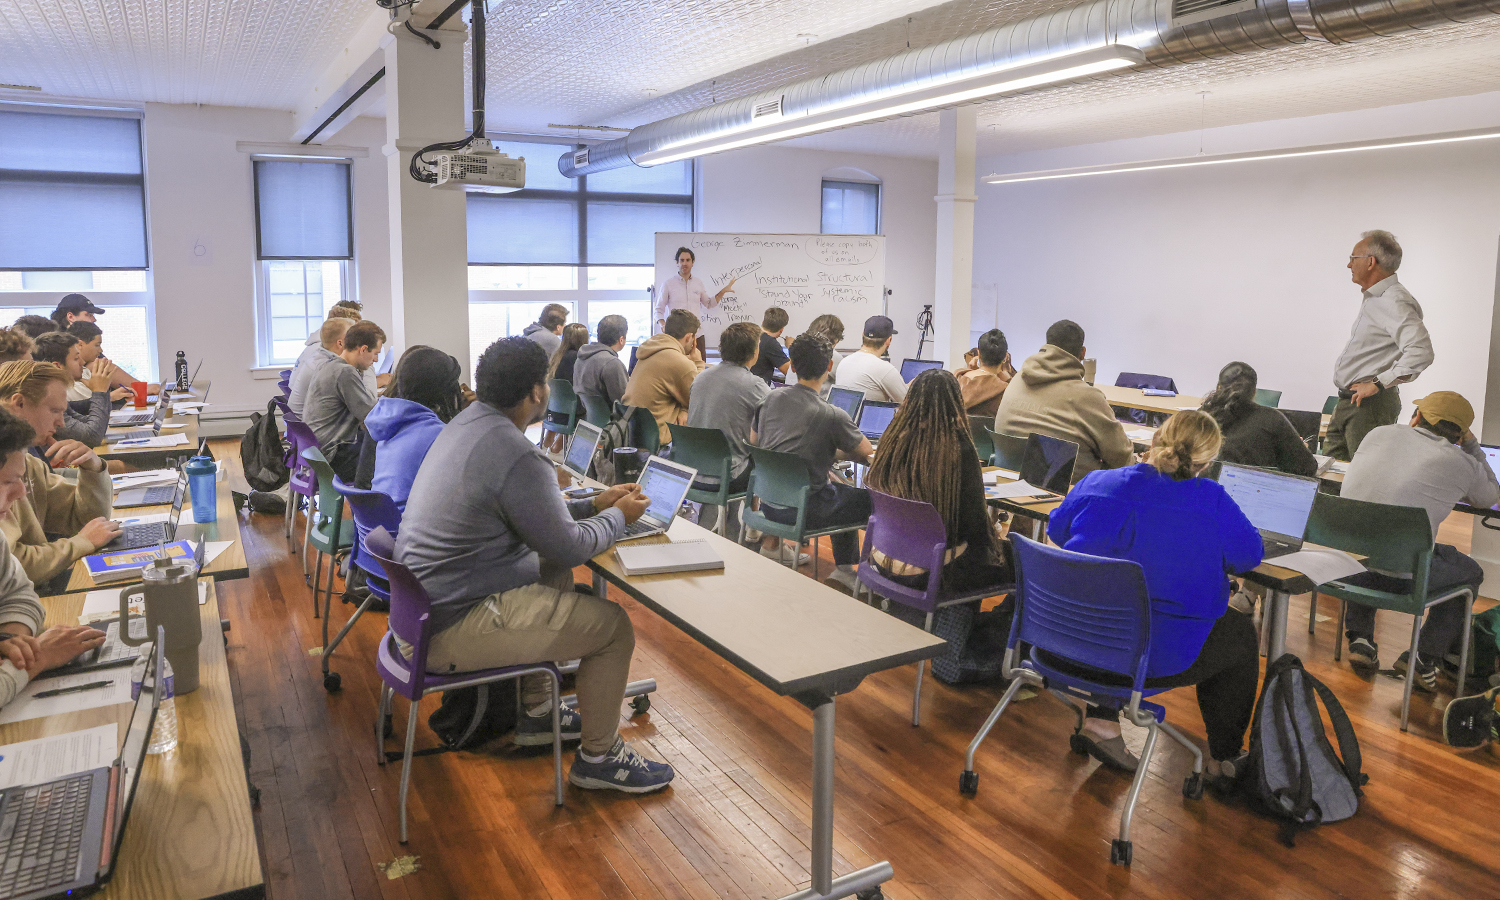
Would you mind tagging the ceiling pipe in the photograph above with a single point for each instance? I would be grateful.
(1142, 24)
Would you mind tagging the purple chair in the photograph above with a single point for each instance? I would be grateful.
(303, 483)
(372, 510)
(411, 622)
(912, 531)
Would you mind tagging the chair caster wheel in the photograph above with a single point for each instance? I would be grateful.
(1119, 852)
(968, 783)
(332, 682)
(1192, 786)
(641, 704)
(1078, 744)
(872, 894)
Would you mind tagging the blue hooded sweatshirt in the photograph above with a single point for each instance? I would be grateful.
(403, 431)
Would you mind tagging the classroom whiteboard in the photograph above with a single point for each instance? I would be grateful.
(805, 274)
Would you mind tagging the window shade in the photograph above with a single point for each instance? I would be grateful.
(516, 231)
(851, 207)
(72, 192)
(302, 210)
(625, 233)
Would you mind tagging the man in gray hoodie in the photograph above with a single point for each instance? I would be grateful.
(484, 502)
(599, 371)
(547, 330)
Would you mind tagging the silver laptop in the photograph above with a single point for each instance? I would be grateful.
(665, 484)
(148, 495)
(140, 433)
(1277, 504)
(142, 418)
(847, 399)
(875, 417)
(144, 534)
(581, 449)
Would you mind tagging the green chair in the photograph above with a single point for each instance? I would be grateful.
(1329, 404)
(781, 479)
(979, 430)
(562, 408)
(1009, 450)
(644, 431)
(1392, 539)
(327, 531)
(595, 409)
(708, 451)
(1268, 398)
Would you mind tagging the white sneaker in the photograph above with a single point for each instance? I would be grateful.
(783, 554)
(844, 579)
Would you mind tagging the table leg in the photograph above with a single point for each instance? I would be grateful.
(1274, 623)
(824, 885)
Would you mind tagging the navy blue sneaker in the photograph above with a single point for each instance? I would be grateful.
(534, 731)
(622, 769)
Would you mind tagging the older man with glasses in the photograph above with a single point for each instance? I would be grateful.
(1388, 346)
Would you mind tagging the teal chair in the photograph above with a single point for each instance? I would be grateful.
(1392, 539)
(1268, 398)
(708, 451)
(562, 408)
(327, 531)
(1009, 450)
(595, 409)
(781, 479)
(644, 431)
(979, 430)
(1329, 404)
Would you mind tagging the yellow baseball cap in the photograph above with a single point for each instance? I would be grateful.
(1446, 406)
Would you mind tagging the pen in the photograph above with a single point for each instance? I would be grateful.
(72, 690)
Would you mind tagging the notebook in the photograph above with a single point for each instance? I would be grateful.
(676, 556)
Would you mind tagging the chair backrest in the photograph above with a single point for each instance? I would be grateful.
(595, 409)
(1088, 609)
(284, 374)
(1140, 380)
(979, 430)
(1009, 450)
(298, 431)
(779, 478)
(1268, 397)
(704, 449)
(644, 431)
(1392, 538)
(410, 605)
(328, 497)
(561, 397)
(1329, 404)
(910, 531)
(372, 510)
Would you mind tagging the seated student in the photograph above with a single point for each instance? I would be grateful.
(864, 370)
(346, 309)
(87, 421)
(598, 371)
(831, 327)
(74, 308)
(37, 393)
(305, 372)
(423, 396)
(1050, 397)
(15, 344)
(563, 360)
(35, 326)
(338, 399)
(796, 420)
(91, 337)
(1186, 534)
(987, 374)
(927, 454)
(664, 372)
(1255, 435)
(546, 331)
(485, 505)
(727, 397)
(771, 356)
(1432, 462)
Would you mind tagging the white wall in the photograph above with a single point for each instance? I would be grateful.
(1178, 272)
(200, 193)
(778, 190)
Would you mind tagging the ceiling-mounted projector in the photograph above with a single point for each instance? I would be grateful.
(480, 167)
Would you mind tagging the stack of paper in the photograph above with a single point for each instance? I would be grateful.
(28, 706)
(1320, 564)
(50, 758)
(1140, 435)
(1015, 489)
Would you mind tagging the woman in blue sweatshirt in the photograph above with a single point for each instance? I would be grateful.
(423, 396)
(1187, 535)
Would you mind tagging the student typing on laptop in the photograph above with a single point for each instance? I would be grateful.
(482, 510)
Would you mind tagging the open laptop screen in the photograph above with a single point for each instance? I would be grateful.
(133, 752)
(1492, 454)
(1048, 463)
(847, 399)
(875, 417)
(911, 368)
(581, 449)
(1273, 501)
(665, 486)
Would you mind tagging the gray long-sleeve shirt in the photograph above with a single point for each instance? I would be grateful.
(484, 504)
(18, 603)
(1404, 466)
(1388, 342)
(86, 426)
(337, 401)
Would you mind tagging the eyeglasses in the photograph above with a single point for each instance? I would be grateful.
(1355, 256)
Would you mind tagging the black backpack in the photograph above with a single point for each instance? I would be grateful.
(474, 715)
(614, 434)
(262, 452)
(1293, 772)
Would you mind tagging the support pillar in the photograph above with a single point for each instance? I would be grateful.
(953, 287)
(1486, 542)
(429, 234)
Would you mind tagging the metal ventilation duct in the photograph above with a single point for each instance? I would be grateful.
(1145, 24)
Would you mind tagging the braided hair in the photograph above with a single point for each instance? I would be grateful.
(1189, 441)
(1234, 396)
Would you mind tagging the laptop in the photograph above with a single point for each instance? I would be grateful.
(911, 368)
(151, 495)
(1048, 463)
(666, 484)
(875, 417)
(141, 418)
(137, 434)
(1276, 503)
(62, 838)
(1306, 423)
(145, 534)
(847, 399)
(581, 448)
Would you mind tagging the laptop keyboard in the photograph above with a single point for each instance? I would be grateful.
(138, 434)
(138, 419)
(162, 493)
(141, 535)
(640, 526)
(1274, 548)
(41, 834)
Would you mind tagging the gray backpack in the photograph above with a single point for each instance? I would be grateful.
(1294, 773)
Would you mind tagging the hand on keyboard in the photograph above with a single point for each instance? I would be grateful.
(100, 532)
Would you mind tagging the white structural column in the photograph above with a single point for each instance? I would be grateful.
(955, 235)
(429, 234)
(1486, 543)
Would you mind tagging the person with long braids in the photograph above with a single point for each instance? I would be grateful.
(1255, 435)
(927, 454)
(1187, 534)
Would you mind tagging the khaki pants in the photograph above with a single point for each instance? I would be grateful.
(541, 622)
(1350, 423)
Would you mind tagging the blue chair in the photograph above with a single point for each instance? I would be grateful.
(1088, 621)
(1142, 381)
(372, 510)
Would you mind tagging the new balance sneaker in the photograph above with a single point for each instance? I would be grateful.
(1427, 673)
(621, 769)
(534, 731)
(1363, 654)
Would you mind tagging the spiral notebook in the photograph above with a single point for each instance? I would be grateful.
(676, 556)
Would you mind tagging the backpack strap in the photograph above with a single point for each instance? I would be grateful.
(1342, 728)
(1303, 804)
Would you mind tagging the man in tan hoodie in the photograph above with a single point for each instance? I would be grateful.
(988, 374)
(665, 366)
(1050, 397)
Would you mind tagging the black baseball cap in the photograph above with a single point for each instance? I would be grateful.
(878, 328)
(77, 303)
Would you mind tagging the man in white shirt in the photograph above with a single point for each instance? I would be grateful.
(686, 291)
(1388, 346)
(864, 370)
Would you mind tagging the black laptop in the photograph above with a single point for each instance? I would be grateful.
(1048, 463)
(847, 399)
(875, 417)
(911, 368)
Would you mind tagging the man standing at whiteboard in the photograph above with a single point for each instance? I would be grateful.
(686, 291)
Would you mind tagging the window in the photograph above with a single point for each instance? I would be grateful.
(851, 207)
(72, 191)
(109, 281)
(127, 335)
(304, 240)
(488, 322)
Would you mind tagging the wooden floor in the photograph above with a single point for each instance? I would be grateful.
(734, 823)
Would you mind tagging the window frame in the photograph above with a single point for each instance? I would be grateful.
(266, 336)
(879, 202)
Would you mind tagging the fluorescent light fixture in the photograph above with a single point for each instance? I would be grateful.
(1450, 137)
(900, 102)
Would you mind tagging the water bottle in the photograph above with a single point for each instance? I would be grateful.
(203, 476)
(182, 371)
(164, 732)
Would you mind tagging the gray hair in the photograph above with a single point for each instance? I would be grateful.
(1383, 246)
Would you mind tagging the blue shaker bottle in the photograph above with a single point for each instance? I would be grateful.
(203, 485)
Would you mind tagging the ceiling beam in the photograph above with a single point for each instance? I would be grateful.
(350, 74)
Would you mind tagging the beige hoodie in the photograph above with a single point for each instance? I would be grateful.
(662, 381)
(1050, 397)
(54, 505)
